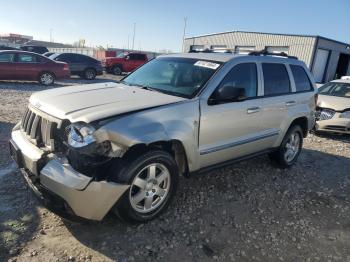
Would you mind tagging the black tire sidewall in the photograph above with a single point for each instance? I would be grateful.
(127, 175)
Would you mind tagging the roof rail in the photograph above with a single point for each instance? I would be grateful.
(264, 52)
(207, 50)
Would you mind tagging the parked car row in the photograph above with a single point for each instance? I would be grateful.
(34, 64)
(22, 65)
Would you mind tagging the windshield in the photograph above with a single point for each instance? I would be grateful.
(54, 55)
(175, 76)
(335, 89)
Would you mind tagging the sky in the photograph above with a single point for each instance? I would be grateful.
(160, 24)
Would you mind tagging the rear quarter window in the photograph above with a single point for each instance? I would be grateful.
(301, 79)
(276, 79)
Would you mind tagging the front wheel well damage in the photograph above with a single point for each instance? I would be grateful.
(173, 147)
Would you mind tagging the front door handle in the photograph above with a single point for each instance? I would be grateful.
(290, 103)
(253, 110)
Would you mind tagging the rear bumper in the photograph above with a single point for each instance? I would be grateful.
(63, 75)
(59, 185)
(336, 125)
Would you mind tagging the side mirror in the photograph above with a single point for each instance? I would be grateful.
(127, 57)
(226, 94)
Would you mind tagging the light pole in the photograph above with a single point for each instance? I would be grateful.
(128, 42)
(184, 34)
(50, 34)
(133, 37)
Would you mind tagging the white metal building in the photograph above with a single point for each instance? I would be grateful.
(327, 59)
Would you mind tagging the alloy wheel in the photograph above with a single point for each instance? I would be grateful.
(292, 147)
(46, 79)
(149, 188)
(90, 74)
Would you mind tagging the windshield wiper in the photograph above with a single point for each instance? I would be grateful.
(147, 87)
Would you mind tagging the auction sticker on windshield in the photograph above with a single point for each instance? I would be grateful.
(207, 64)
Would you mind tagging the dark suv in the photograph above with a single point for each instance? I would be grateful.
(81, 65)
(35, 49)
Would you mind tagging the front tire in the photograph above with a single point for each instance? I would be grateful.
(46, 78)
(288, 152)
(153, 178)
(89, 74)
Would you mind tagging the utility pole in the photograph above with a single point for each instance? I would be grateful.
(183, 37)
(128, 42)
(133, 37)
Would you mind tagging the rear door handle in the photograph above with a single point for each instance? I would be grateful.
(291, 103)
(253, 110)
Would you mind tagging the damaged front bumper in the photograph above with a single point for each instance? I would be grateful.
(55, 181)
(335, 124)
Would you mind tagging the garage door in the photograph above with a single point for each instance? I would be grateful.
(277, 49)
(320, 64)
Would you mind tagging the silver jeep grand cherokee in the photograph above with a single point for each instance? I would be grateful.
(93, 148)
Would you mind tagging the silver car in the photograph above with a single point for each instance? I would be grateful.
(122, 146)
(333, 107)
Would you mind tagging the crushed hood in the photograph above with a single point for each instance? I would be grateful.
(333, 102)
(96, 101)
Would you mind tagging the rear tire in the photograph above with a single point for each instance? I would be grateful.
(288, 152)
(90, 74)
(117, 70)
(153, 178)
(47, 78)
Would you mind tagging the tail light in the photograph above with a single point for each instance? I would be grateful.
(65, 67)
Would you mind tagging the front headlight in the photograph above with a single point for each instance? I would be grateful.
(345, 114)
(80, 135)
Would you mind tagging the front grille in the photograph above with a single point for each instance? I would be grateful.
(324, 114)
(40, 130)
(336, 128)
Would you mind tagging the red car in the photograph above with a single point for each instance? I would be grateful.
(124, 62)
(21, 65)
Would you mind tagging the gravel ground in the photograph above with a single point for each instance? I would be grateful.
(251, 211)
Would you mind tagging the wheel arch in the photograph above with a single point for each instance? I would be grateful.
(174, 147)
(117, 65)
(89, 67)
(302, 122)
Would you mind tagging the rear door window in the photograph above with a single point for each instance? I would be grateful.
(244, 76)
(302, 81)
(26, 58)
(69, 58)
(6, 58)
(276, 79)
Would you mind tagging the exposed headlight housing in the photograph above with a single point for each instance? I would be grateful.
(80, 135)
(345, 114)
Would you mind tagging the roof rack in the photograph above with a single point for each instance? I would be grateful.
(207, 50)
(264, 52)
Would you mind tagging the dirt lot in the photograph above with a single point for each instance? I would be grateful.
(250, 211)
